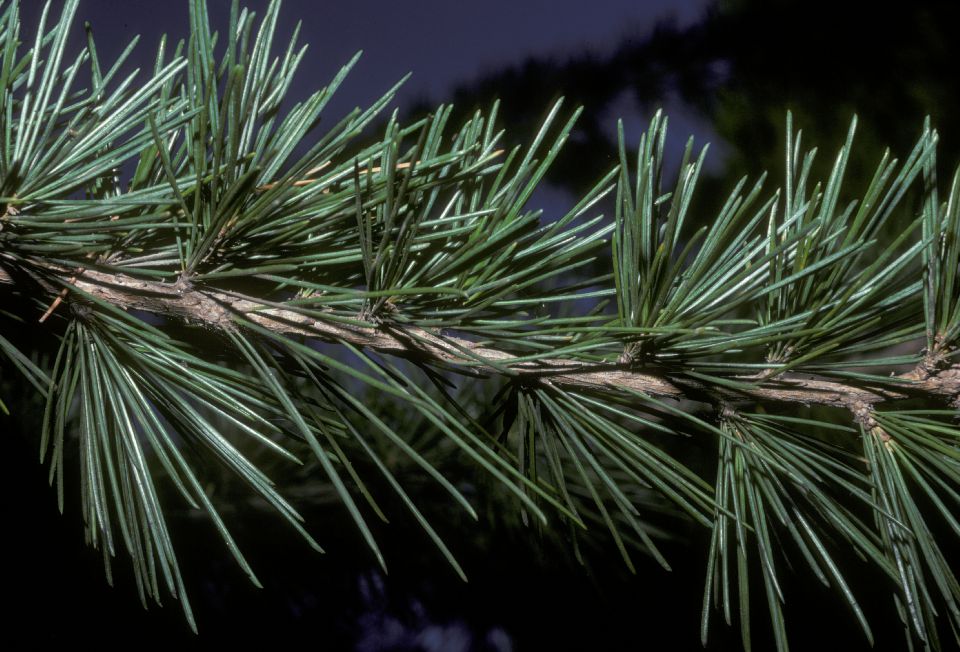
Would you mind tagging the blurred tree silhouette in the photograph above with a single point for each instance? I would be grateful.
(741, 69)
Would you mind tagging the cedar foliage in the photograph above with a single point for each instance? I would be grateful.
(220, 278)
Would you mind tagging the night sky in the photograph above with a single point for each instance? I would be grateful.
(442, 43)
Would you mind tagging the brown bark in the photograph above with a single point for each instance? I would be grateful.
(217, 309)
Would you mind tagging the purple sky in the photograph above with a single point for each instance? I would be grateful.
(442, 42)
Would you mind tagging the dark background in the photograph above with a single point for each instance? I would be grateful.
(725, 72)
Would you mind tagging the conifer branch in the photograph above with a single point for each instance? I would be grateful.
(218, 310)
(422, 245)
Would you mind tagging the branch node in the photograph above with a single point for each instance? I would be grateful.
(727, 412)
(863, 415)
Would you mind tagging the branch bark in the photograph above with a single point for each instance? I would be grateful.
(218, 309)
